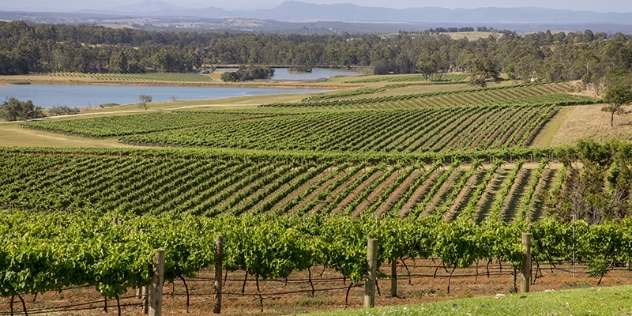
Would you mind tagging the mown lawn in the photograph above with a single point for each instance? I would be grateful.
(588, 301)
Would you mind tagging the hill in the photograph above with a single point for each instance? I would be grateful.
(296, 11)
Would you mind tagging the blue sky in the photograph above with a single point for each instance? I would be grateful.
(73, 5)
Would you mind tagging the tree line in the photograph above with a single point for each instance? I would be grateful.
(597, 59)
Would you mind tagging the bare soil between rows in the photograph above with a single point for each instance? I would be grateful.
(295, 296)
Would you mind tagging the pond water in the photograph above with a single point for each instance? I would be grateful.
(47, 96)
(317, 73)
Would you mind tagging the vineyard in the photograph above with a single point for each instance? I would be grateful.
(367, 90)
(479, 119)
(392, 131)
(443, 178)
(554, 94)
(138, 123)
(151, 77)
(134, 184)
(454, 78)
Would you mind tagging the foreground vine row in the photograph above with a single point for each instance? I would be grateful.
(49, 252)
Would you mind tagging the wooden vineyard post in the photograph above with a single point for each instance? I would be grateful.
(217, 304)
(143, 293)
(526, 267)
(369, 286)
(394, 273)
(145, 296)
(155, 290)
(394, 277)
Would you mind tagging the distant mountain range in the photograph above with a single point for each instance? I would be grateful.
(295, 11)
(153, 8)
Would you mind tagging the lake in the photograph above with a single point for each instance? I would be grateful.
(47, 96)
(317, 73)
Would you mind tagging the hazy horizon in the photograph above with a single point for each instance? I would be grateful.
(76, 5)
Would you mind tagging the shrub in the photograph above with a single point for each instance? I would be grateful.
(16, 110)
(63, 110)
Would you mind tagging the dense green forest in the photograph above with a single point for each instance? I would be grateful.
(595, 58)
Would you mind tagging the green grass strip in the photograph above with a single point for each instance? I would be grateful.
(588, 301)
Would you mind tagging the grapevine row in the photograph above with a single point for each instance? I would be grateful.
(410, 131)
(156, 77)
(50, 252)
(111, 126)
(534, 94)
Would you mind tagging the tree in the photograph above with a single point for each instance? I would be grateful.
(526, 67)
(248, 73)
(229, 76)
(443, 61)
(427, 66)
(483, 68)
(143, 100)
(596, 183)
(16, 110)
(381, 67)
(118, 63)
(589, 36)
(617, 96)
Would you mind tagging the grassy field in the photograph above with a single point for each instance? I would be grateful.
(590, 122)
(552, 127)
(472, 36)
(590, 301)
(225, 103)
(12, 135)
